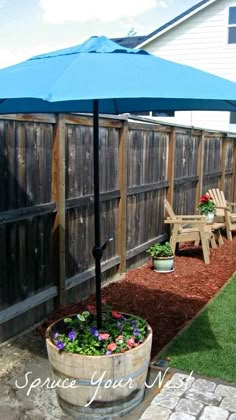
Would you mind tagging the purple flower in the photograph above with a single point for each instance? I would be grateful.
(94, 331)
(55, 335)
(134, 323)
(72, 335)
(136, 332)
(108, 352)
(60, 345)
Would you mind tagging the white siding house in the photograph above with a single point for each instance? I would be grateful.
(201, 39)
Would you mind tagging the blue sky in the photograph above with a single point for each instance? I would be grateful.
(29, 27)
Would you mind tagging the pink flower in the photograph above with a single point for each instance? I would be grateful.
(91, 308)
(111, 346)
(104, 300)
(104, 336)
(119, 338)
(116, 315)
(130, 343)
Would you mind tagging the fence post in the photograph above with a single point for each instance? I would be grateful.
(58, 195)
(122, 208)
(171, 166)
(233, 179)
(200, 159)
(222, 178)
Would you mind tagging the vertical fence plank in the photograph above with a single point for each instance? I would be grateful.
(11, 165)
(3, 167)
(122, 182)
(233, 179)
(200, 159)
(223, 161)
(171, 165)
(58, 193)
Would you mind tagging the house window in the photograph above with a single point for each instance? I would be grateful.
(232, 119)
(232, 25)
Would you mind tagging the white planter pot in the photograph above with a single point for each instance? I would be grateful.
(163, 264)
(210, 217)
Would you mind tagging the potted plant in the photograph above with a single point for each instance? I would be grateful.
(207, 207)
(162, 257)
(99, 373)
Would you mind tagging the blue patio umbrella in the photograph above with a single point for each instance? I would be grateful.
(102, 76)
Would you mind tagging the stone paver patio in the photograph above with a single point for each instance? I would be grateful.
(184, 397)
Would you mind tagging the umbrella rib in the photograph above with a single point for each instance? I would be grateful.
(230, 103)
(59, 78)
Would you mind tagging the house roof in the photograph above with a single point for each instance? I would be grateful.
(130, 41)
(140, 41)
(176, 21)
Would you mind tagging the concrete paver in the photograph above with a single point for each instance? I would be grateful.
(166, 399)
(189, 406)
(181, 416)
(225, 391)
(229, 404)
(214, 413)
(156, 413)
(204, 385)
(208, 398)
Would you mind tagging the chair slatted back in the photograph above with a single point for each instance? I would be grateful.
(169, 209)
(219, 200)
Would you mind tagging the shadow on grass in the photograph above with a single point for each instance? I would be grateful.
(200, 337)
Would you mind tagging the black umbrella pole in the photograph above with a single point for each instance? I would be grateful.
(97, 250)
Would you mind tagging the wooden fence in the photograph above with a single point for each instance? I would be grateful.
(46, 201)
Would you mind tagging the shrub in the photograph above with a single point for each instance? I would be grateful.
(160, 250)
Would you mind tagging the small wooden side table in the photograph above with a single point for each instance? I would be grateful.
(216, 230)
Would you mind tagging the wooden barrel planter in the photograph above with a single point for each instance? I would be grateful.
(99, 386)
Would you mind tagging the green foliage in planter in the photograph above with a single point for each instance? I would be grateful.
(79, 333)
(160, 250)
(206, 204)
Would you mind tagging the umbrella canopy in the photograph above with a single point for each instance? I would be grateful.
(123, 79)
(101, 76)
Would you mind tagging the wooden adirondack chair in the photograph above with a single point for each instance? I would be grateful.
(225, 211)
(186, 228)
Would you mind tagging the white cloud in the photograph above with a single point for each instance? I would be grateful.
(11, 56)
(163, 3)
(60, 11)
(7, 58)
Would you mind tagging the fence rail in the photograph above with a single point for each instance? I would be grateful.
(46, 201)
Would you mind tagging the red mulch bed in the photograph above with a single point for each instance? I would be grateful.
(167, 301)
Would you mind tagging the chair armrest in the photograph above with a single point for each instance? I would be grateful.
(181, 222)
(231, 205)
(190, 217)
(222, 208)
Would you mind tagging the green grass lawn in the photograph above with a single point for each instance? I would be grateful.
(208, 345)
